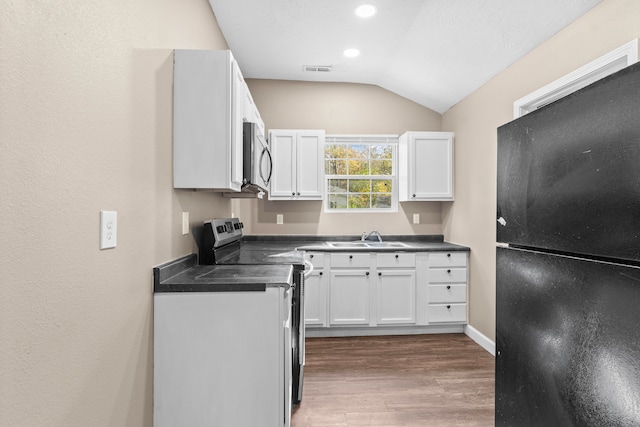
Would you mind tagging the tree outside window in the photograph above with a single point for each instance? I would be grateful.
(360, 173)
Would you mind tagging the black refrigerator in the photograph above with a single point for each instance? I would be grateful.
(568, 260)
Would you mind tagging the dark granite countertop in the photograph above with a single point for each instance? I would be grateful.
(258, 252)
(185, 275)
(265, 261)
(287, 245)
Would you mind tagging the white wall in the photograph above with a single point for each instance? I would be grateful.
(85, 125)
(471, 219)
(338, 108)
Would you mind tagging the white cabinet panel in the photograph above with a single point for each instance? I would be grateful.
(349, 297)
(448, 259)
(447, 275)
(425, 161)
(350, 260)
(315, 299)
(400, 259)
(396, 293)
(298, 172)
(453, 313)
(310, 166)
(210, 348)
(207, 120)
(315, 258)
(447, 293)
(283, 150)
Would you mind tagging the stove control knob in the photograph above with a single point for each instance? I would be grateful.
(220, 229)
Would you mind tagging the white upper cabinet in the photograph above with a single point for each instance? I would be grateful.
(208, 109)
(250, 110)
(298, 169)
(425, 165)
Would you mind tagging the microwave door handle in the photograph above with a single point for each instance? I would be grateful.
(265, 150)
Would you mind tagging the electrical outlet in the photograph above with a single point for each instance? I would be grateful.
(185, 223)
(108, 229)
(416, 218)
(280, 219)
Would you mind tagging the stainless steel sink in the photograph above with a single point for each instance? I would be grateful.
(367, 245)
(387, 244)
(348, 245)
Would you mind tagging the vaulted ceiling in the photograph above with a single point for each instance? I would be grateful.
(434, 52)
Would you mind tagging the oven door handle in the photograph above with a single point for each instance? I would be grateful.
(308, 272)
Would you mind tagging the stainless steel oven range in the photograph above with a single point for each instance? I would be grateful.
(222, 244)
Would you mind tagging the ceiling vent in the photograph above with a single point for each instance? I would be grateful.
(317, 68)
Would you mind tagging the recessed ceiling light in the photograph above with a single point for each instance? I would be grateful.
(351, 53)
(365, 10)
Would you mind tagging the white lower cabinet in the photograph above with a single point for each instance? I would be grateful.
(396, 288)
(439, 313)
(396, 295)
(217, 354)
(315, 292)
(447, 289)
(386, 289)
(349, 297)
(315, 301)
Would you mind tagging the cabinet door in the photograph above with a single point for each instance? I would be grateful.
(432, 176)
(207, 131)
(310, 166)
(315, 300)
(237, 107)
(396, 295)
(349, 297)
(283, 150)
(425, 166)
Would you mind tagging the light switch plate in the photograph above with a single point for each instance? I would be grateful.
(416, 218)
(279, 219)
(185, 223)
(108, 229)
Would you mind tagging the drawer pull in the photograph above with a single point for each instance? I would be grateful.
(367, 273)
(310, 256)
(397, 256)
(448, 307)
(379, 273)
(448, 271)
(449, 255)
(350, 256)
(321, 273)
(448, 287)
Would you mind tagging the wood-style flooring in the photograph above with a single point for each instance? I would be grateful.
(411, 380)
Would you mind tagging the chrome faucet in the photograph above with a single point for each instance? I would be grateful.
(371, 236)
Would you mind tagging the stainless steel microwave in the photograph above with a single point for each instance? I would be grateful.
(257, 161)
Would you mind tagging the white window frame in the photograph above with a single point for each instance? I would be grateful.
(613, 61)
(363, 139)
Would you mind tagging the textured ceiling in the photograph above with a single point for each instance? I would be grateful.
(434, 52)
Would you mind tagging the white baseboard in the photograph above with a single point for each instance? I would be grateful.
(342, 331)
(481, 339)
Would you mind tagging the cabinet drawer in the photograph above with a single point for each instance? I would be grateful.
(348, 260)
(315, 258)
(447, 293)
(403, 259)
(447, 313)
(448, 259)
(447, 275)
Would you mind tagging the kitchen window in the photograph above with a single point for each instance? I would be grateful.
(360, 173)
